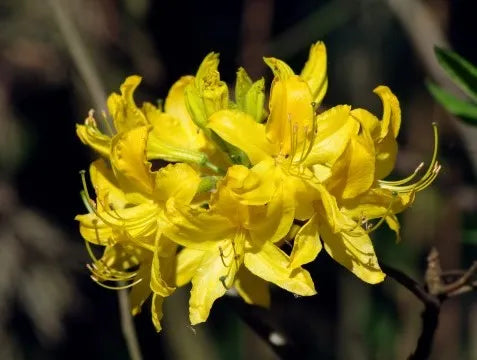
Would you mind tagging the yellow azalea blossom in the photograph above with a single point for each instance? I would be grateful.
(208, 188)
(355, 194)
(219, 240)
(288, 136)
(130, 198)
(174, 136)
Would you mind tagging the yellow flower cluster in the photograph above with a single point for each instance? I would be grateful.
(213, 190)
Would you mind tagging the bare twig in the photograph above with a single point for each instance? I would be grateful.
(91, 78)
(432, 295)
(79, 55)
(127, 325)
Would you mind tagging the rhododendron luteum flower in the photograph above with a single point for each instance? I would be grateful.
(244, 178)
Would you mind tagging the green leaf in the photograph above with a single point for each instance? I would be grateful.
(454, 105)
(460, 70)
(470, 237)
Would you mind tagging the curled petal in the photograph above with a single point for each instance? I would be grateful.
(271, 264)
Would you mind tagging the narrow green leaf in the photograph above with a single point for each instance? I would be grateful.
(459, 69)
(454, 105)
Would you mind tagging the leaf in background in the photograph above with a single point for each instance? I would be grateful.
(454, 105)
(470, 237)
(460, 70)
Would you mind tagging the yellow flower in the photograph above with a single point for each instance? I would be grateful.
(130, 200)
(219, 240)
(174, 136)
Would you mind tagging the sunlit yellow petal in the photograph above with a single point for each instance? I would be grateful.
(196, 228)
(306, 245)
(240, 130)
(252, 289)
(93, 230)
(254, 186)
(94, 139)
(376, 203)
(214, 276)
(141, 291)
(109, 195)
(162, 270)
(353, 172)
(156, 311)
(179, 181)
(188, 261)
(394, 225)
(391, 121)
(272, 222)
(271, 264)
(290, 123)
(128, 157)
(314, 71)
(126, 115)
(335, 129)
(355, 252)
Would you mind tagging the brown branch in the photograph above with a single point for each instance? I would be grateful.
(432, 295)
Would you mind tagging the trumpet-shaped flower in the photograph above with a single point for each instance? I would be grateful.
(230, 234)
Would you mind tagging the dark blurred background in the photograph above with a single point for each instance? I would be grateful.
(59, 58)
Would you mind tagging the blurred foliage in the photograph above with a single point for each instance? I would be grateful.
(464, 75)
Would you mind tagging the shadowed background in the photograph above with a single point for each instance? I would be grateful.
(49, 309)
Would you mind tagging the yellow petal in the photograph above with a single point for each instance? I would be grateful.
(214, 276)
(355, 252)
(128, 157)
(109, 195)
(353, 172)
(138, 222)
(386, 153)
(391, 121)
(141, 291)
(393, 224)
(280, 69)
(303, 193)
(196, 228)
(156, 311)
(95, 139)
(93, 230)
(254, 186)
(126, 115)
(240, 130)
(174, 131)
(162, 268)
(335, 129)
(252, 289)
(175, 104)
(188, 261)
(272, 222)
(290, 123)
(314, 71)
(179, 181)
(376, 203)
(328, 207)
(271, 264)
(306, 245)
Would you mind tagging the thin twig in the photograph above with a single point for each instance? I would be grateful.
(127, 325)
(430, 315)
(79, 54)
(92, 80)
(432, 295)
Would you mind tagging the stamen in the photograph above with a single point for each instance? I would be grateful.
(121, 287)
(425, 180)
